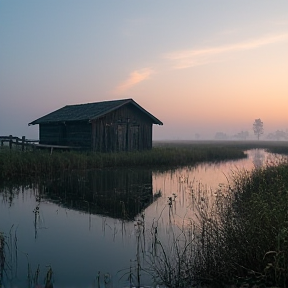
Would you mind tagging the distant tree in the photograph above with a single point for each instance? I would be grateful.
(197, 136)
(221, 136)
(258, 128)
(278, 135)
(242, 135)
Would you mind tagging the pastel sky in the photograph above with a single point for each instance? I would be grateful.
(199, 66)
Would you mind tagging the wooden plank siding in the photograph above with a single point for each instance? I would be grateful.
(51, 134)
(70, 133)
(79, 134)
(124, 129)
(117, 125)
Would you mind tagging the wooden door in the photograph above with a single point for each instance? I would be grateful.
(134, 137)
(122, 137)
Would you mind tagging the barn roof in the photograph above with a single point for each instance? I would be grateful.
(89, 111)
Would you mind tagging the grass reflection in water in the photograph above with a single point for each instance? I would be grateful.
(171, 244)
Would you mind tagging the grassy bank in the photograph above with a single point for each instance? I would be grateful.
(272, 146)
(15, 164)
(239, 241)
(242, 239)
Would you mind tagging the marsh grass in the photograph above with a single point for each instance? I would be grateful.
(8, 255)
(170, 265)
(33, 277)
(15, 164)
(9, 264)
(256, 222)
(240, 239)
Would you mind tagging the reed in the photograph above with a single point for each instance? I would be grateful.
(8, 255)
(16, 164)
(33, 278)
(240, 238)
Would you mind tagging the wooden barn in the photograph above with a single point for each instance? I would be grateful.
(118, 125)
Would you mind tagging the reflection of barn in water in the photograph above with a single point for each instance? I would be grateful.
(115, 193)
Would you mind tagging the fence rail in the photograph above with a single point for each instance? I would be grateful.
(16, 141)
(23, 142)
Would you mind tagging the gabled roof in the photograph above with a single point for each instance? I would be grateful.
(89, 111)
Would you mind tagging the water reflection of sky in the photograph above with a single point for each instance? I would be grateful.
(208, 174)
(78, 244)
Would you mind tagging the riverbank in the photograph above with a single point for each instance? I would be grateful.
(205, 248)
(15, 164)
(244, 145)
(239, 241)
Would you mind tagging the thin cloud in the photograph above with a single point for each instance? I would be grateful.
(189, 58)
(134, 78)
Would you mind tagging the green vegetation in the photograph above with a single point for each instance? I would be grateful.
(240, 240)
(15, 164)
(244, 145)
(240, 235)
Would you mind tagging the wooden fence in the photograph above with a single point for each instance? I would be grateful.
(16, 141)
(32, 144)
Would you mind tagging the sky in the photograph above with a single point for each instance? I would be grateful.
(201, 67)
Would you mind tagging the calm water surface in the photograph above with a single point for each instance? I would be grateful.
(87, 226)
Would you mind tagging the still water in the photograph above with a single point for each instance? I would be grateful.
(85, 227)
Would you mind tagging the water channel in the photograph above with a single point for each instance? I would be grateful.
(85, 227)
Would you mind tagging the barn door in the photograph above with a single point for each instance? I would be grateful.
(134, 137)
(122, 137)
(107, 139)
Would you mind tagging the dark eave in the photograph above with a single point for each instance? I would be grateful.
(89, 112)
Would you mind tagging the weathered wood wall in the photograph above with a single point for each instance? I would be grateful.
(125, 129)
(70, 133)
(79, 134)
(51, 134)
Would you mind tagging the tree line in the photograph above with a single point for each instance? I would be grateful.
(258, 130)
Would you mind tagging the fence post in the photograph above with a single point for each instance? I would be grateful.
(10, 141)
(23, 142)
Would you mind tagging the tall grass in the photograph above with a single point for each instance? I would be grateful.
(242, 239)
(15, 164)
(8, 256)
(254, 226)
